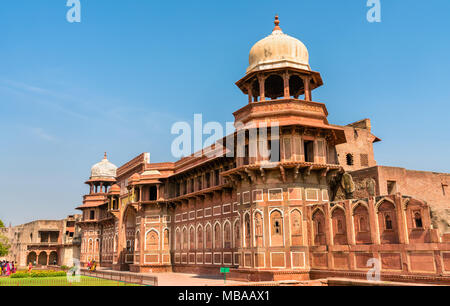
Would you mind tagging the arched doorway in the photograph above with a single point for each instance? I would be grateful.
(42, 259)
(53, 258)
(129, 225)
(32, 257)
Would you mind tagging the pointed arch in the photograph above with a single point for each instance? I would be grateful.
(208, 236)
(217, 241)
(336, 206)
(200, 237)
(383, 200)
(319, 226)
(276, 231)
(359, 203)
(227, 234)
(237, 233)
(184, 238)
(178, 242)
(90, 245)
(152, 241)
(192, 236)
(97, 245)
(361, 223)
(166, 240)
(247, 231)
(387, 221)
(317, 209)
(258, 228)
(296, 227)
(339, 224)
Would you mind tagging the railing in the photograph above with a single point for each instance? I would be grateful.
(125, 277)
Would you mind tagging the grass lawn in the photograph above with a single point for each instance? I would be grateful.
(60, 282)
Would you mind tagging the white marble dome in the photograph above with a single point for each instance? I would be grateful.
(103, 169)
(278, 50)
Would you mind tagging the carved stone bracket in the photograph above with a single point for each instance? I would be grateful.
(296, 172)
(283, 174)
(307, 171)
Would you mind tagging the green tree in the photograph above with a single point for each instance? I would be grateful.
(4, 246)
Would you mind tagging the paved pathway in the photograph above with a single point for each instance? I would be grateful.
(183, 279)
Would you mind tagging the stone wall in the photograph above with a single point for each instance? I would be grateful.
(359, 145)
(431, 187)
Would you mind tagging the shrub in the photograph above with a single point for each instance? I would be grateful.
(20, 275)
(39, 274)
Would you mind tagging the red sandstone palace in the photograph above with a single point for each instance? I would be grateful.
(322, 207)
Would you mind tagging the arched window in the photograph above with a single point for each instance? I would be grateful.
(199, 238)
(276, 228)
(339, 226)
(192, 238)
(247, 230)
(166, 239)
(319, 221)
(296, 228)
(237, 235)
(208, 233)
(217, 240)
(388, 222)
(185, 239)
(418, 220)
(178, 239)
(227, 235)
(259, 233)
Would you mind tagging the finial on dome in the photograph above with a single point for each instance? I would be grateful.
(277, 24)
(105, 157)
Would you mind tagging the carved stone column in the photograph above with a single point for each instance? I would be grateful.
(306, 82)
(287, 94)
(262, 93)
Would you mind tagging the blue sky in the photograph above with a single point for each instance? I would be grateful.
(118, 80)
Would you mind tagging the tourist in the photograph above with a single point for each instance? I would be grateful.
(89, 265)
(8, 269)
(30, 267)
(13, 269)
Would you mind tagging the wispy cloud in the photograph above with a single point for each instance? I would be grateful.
(43, 96)
(42, 134)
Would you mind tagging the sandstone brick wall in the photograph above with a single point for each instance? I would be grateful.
(359, 145)
(431, 187)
